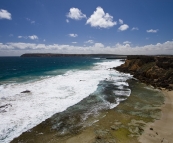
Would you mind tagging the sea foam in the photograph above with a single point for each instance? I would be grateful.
(48, 96)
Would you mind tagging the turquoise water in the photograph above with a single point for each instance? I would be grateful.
(14, 69)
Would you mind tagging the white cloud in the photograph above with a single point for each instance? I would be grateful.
(89, 41)
(120, 21)
(74, 42)
(76, 14)
(67, 21)
(123, 27)
(24, 37)
(11, 35)
(32, 37)
(126, 42)
(98, 45)
(135, 28)
(31, 21)
(4, 14)
(20, 36)
(15, 49)
(73, 35)
(101, 19)
(152, 31)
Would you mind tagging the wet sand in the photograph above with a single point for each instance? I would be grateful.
(161, 131)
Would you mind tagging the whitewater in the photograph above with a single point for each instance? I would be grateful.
(20, 112)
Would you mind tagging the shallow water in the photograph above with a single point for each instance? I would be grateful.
(91, 117)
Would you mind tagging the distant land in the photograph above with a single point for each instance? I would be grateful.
(108, 56)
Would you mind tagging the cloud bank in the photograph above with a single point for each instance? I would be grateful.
(16, 49)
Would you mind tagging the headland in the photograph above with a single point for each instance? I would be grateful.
(154, 70)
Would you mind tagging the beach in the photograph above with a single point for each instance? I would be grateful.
(161, 130)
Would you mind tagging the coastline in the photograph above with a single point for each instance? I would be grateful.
(161, 130)
(122, 124)
(141, 118)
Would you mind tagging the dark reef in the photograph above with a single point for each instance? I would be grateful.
(154, 70)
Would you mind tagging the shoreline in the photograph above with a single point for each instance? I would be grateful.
(158, 131)
(158, 72)
(145, 117)
(161, 130)
(122, 124)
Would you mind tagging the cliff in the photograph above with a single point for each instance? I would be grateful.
(154, 70)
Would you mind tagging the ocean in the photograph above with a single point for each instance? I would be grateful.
(60, 88)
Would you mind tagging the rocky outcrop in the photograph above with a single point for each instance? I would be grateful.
(154, 70)
(26, 91)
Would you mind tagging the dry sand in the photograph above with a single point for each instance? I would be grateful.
(161, 131)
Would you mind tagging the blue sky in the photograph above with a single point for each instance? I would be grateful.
(92, 26)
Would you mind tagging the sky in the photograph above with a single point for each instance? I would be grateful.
(86, 27)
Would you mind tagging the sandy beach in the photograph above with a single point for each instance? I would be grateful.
(161, 131)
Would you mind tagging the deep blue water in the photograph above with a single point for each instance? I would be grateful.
(14, 68)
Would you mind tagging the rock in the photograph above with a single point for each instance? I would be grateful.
(114, 127)
(140, 129)
(154, 70)
(26, 91)
(101, 134)
(151, 128)
(4, 108)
